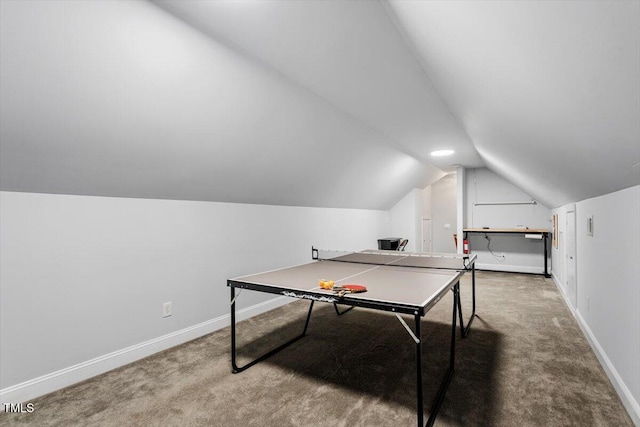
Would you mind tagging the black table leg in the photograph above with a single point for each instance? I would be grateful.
(464, 330)
(236, 369)
(444, 385)
(546, 270)
(340, 313)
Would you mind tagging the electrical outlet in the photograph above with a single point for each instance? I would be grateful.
(166, 309)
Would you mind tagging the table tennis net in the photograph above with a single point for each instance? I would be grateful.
(396, 258)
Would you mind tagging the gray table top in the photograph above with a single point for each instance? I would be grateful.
(391, 284)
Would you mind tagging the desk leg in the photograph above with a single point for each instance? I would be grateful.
(236, 369)
(546, 270)
(444, 385)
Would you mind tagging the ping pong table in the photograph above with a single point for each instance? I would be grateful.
(400, 282)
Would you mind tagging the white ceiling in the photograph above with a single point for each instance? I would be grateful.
(350, 54)
(549, 91)
(317, 103)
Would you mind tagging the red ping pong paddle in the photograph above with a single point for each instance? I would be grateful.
(349, 289)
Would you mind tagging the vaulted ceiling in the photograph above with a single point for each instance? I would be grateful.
(548, 91)
(317, 103)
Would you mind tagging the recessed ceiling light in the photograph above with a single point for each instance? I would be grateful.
(442, 153)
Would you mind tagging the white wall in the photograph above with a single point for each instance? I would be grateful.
(406, 219)
(608, 303)
(512, 252)
(83, 277)
(426, 202)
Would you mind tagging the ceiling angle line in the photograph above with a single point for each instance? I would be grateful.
(530, 202)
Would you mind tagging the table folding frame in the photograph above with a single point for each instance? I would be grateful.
(416, 311)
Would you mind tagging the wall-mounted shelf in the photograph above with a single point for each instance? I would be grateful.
(528, 202)
(508, 230)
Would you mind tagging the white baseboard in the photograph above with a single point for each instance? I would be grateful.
(57, 380)
(630, 404)
(510, 268)
(563, 292)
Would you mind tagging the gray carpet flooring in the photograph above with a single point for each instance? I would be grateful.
(525, 363)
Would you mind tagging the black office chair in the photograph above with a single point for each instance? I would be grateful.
(402, 244)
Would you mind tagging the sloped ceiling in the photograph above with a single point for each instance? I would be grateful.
(350, 54)
(549, 91)
(124, 99)
(316, 103)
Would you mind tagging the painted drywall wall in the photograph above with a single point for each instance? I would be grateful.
(608, 295)
(406, 218)
(444, 213)
(510, 252)
(82, 276)
(608, 284)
